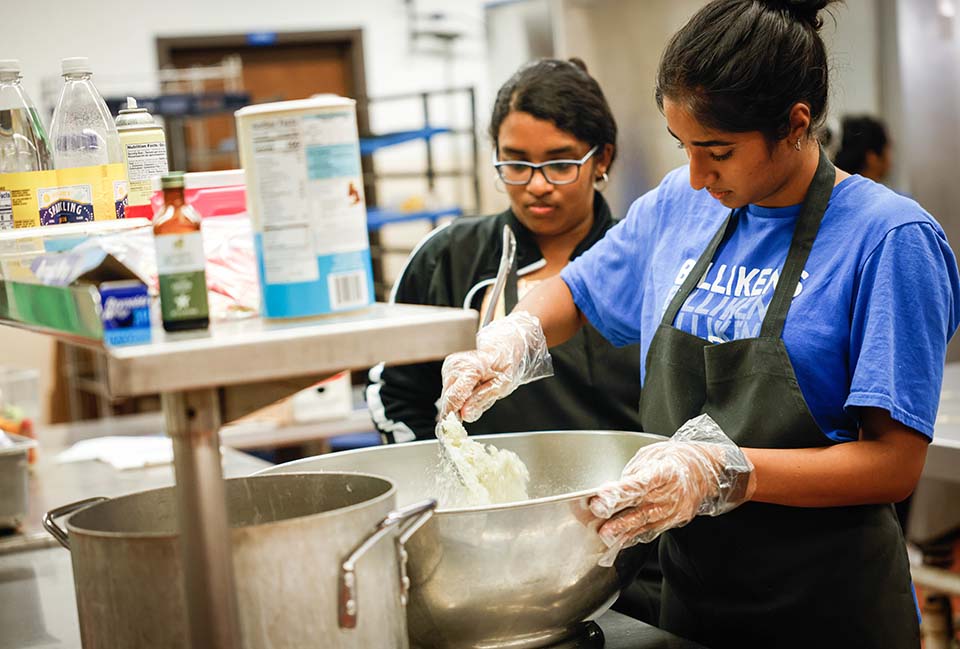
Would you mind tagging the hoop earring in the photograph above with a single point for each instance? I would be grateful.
(600, 182)
(797, 144)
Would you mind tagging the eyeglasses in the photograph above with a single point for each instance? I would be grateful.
(557, 172)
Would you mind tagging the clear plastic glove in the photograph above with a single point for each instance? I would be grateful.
(510, 352)
(697, 472)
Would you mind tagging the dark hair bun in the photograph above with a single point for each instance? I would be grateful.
(807, 11)
(578, 62)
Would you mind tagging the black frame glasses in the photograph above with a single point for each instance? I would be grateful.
(553, 171)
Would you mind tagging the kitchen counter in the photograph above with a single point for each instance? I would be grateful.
(38, 610)
(935, 508)
(53, 484)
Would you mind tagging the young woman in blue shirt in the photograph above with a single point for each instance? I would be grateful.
(804, 310)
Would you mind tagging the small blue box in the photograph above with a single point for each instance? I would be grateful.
(125, 312)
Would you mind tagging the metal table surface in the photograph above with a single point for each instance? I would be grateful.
(256, 350)
(38, 610)
(53, 484)
(935, 508)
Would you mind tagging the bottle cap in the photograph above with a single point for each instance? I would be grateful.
(10, 65)
(133, 117)
(172, 180)
(76, 65)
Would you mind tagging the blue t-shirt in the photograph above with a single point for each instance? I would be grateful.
(869, 322)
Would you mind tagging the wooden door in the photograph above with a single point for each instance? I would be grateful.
(292, 66)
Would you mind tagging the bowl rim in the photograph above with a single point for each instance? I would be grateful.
(520, 504)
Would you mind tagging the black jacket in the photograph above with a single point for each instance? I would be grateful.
(595, 385)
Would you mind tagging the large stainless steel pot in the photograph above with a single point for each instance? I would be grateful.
(318, 562)
(520, 575)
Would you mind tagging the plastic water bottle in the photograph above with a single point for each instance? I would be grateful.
(23, 140)
(82, 131)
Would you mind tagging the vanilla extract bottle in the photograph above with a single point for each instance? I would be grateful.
(180, 260)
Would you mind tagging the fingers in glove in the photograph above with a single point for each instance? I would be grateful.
(644, 523)
(482, 398)
(650, 482)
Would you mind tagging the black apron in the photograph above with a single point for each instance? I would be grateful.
(768, 575)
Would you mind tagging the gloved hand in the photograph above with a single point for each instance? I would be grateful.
(510, 351)
(697, 472)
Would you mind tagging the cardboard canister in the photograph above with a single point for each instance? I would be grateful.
(305, 197)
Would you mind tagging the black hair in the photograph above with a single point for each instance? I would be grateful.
(741, 65)
(860, 134)
(561, 92)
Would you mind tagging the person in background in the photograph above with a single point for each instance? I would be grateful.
(794, 321)
(554, 140)
(864, 148)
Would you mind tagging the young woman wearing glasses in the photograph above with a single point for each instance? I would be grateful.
(554, 142)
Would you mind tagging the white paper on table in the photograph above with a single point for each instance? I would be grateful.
(121, 452)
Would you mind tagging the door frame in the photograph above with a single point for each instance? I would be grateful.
(351, 39)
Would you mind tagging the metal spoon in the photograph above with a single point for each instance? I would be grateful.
(507, 254)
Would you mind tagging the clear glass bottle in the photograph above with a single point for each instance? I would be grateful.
(82, 132)
(181, 261)
(24, 145)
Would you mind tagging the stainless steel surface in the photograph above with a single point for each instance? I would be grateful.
(290, 535)
(52, 484)
(508, 251)
(14, 492)
(248, 351)
(517, 575)
(38, 608)
(935, 507)
(192, 420)
(406, 521)
(943, 455)
(937, 580)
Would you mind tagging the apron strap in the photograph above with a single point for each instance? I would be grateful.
(808, 224)
(699, 270)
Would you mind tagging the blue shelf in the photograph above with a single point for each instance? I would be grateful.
(370, 144)
(185, 105)
(377, 217)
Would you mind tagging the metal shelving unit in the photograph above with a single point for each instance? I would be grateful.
(234, 368)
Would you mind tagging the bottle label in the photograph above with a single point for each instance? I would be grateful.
(145, 154)
(72, 204)
(183, 285)
(97, 193)
(6, 211)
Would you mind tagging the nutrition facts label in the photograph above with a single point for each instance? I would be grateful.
(6, 211)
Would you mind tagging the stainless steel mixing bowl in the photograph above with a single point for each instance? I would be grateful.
(515, 576)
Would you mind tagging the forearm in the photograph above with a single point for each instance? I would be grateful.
(868, 471)
(552, 302)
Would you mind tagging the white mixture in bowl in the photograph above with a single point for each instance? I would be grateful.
(491, 475)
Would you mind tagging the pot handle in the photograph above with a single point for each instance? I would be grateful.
(408, 520)
(50, 518)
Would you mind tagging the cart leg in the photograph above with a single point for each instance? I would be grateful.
(192, 420)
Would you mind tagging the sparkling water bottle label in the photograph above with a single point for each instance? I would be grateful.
(72, 204)
(56, 196)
